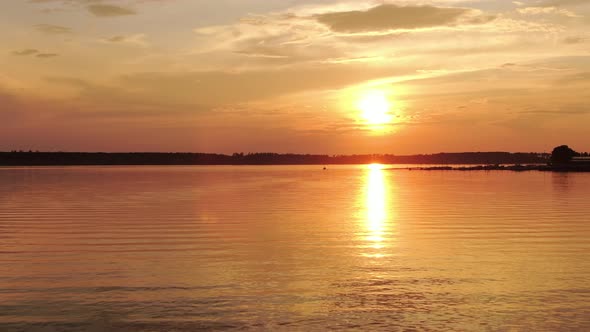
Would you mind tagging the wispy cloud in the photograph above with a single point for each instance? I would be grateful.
(53, 29)
(550, 3)
(104, 10)
(29, 51)
(575, 40)
(391, 17)
(137, 39)
(35, 53)
(547, 10)
(46, 55)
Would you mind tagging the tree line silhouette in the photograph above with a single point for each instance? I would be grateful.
(30, 158)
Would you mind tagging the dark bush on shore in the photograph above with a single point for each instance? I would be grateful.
(563, 154)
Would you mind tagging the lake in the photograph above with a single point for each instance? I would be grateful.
(292, 248)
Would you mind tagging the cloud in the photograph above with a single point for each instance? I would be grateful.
(34, 52)
(29, 51)
(546, 10)
(53, 29)
(46, 55)
(564, 3)
(116, 39)
(103, 10)
(558, 112)
(391, 17)
(137, 39)
(582, 78)
(574, 40)
(298, 36)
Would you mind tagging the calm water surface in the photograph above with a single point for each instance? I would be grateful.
(292, 248)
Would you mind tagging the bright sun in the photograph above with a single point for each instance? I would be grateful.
(375, 107)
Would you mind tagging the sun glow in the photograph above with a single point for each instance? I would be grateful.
(375, 107)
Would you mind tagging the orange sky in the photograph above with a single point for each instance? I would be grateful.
(294, 76)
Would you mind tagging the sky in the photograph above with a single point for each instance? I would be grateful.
(294, 76)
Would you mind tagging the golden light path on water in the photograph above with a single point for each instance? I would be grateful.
(377, 208)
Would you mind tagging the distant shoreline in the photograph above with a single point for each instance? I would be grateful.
(20, 158)
(511, 168)
(466, 161)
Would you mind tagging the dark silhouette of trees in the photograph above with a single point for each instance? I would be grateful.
(22, 158)
(563, 155)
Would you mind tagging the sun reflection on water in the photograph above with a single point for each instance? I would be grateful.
(376, 205)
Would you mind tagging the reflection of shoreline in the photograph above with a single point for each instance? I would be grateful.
(514, 168)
